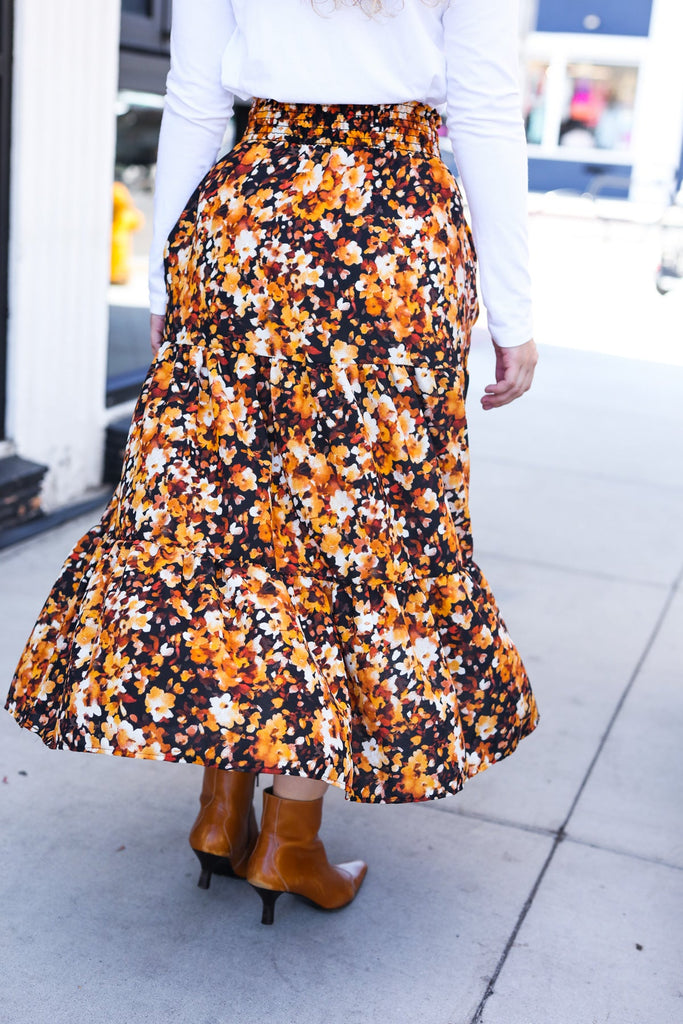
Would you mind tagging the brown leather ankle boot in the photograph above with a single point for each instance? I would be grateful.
(289, 857)
(225, 832)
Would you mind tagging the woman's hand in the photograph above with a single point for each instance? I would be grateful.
(156, 331)
(514, 374)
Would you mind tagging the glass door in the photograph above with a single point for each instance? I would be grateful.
(145, 34)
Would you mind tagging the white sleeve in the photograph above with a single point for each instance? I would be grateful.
(196, 113)
(487, 132)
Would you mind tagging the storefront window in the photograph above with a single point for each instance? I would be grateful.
(598, 106)
(535, 102)
(137, 138)
(139, 118)
(580, 105)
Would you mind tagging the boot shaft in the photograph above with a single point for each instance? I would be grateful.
(290, 857)
(224, 834)
(291, 821)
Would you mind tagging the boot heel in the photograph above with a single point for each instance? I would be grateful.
(212, 865)
(207, 869)
(268, 896)
(226, 824)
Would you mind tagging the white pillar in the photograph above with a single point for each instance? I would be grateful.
(63, 123)
(659, 109)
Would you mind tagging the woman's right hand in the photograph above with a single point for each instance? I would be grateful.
(514, 373)
(156, 331)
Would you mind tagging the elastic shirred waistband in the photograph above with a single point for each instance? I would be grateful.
(412, 127)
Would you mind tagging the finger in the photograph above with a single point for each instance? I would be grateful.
(499, 388)
(497, 403)
(494, 400)
(503, 383)
(521, 381)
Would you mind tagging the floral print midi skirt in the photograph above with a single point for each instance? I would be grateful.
(283, 580)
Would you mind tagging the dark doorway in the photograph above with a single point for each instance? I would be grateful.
(145, 42)
(6, 11)
(145, 24)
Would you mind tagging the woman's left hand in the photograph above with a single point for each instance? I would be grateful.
(156, 331)
(514, 373)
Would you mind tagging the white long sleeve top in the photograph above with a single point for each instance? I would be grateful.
(461, 53)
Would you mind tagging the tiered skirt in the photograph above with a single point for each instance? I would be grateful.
(283, 580)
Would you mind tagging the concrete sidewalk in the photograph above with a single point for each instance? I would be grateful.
(548, 892)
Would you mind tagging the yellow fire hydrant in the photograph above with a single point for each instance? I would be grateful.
(126, 219)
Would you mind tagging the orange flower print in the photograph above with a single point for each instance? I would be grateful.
(350, 253)
(284, 578)
(159, 704)
(485, 726)
(418, 781)
(269, 748)
(225, 711)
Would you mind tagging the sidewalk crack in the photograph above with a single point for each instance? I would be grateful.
(562, 833)
(621, 852)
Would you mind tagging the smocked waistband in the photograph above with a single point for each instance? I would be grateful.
(412, 127)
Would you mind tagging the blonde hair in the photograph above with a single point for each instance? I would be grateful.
(371, 7)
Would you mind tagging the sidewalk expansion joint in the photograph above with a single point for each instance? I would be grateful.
(572, 570)
(562, 833)
(621, 852)
(476, 1019)
(550, 468)
(492, 819)
(649, 644)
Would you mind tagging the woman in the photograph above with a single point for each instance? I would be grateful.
(283, 581)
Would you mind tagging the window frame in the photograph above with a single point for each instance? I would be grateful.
(558, 52)
(148, 33)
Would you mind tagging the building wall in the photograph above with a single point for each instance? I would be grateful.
(65, 81)
(608, 17)
(645, 34)
(658, 133)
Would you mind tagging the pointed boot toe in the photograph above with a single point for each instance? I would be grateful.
(290, 857)
(356, 870)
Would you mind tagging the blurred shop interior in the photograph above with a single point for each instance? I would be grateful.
(143, 66)
(144, 62)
